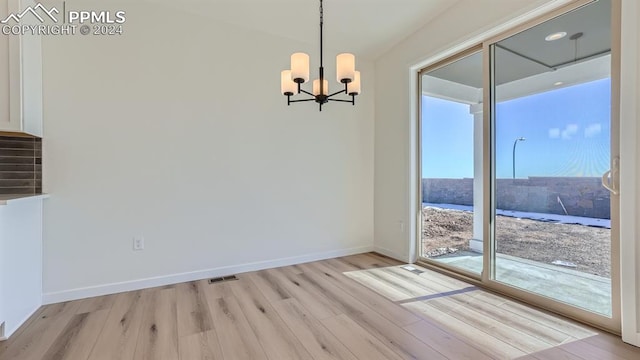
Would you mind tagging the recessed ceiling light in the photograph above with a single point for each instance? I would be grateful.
(556, 36)
(558, 83)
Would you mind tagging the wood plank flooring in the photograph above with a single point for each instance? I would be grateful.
(360, 307)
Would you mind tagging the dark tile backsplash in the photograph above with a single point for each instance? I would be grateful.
(20, 165)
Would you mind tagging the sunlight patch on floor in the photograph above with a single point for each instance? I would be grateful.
(498, 326)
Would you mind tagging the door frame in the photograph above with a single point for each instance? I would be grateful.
(629, 57)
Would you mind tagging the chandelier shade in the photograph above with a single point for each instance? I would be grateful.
(353, 88)
(287, 86)
(345, 67)
(316, 87)
(346, 75)
(300, 67)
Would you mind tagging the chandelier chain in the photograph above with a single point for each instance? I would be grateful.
(321, 42)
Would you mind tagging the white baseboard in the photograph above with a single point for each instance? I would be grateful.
(114, 288)
(392, 254)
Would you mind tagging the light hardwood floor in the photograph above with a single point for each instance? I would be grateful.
(358, 307)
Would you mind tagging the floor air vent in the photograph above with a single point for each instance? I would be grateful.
(223, 278)
(413, 269)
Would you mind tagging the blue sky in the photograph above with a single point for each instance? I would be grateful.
(567, 133)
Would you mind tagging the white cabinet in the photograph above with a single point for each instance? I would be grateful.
(20, 73)
(20, 263)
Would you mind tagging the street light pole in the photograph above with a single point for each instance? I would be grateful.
(514, 154)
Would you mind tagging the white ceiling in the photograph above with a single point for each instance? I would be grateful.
(366, 28)
(594, 21)
(526, 64)
(527, 53)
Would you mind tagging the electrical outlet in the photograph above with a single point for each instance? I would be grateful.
(138, 243)
(401, 226)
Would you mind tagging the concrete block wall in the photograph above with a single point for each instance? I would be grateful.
(581, 196)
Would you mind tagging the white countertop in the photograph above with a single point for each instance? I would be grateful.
(9, 199)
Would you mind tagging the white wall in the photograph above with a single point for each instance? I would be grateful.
(177, 131)
(393, 155)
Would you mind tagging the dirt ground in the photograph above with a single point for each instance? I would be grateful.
(579, 247)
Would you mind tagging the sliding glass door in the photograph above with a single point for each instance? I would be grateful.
(553, 217)
(551, 145)
(515, 139)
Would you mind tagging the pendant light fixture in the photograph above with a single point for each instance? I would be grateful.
(291, 80)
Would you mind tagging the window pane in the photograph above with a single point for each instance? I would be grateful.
(451, 133)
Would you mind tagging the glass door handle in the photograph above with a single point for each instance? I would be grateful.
(608, 178)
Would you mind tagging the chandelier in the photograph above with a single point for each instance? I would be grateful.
(291, 80)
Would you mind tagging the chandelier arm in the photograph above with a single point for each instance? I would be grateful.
(343, 91)
(306, 92)
(302, 100)
(352, 101)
